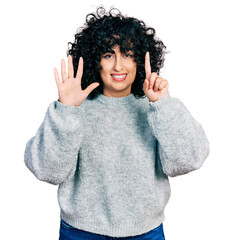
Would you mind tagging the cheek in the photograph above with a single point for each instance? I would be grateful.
(101, 71)
(104, 69)
(134, 69)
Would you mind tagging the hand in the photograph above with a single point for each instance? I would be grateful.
(154, 86)
(69, 90)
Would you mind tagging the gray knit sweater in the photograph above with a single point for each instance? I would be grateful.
(112, 156)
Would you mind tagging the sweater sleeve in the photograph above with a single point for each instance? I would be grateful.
(182, 143)
(52, 153)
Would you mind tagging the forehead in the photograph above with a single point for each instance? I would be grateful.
(118, 48)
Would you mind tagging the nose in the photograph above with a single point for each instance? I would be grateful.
(118, 64)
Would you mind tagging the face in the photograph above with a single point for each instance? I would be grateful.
(118, 72)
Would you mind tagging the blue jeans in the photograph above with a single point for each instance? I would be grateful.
(68, 232)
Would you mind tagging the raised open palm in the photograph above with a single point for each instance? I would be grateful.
(69, 89)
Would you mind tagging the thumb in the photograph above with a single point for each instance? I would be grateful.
(91, 87)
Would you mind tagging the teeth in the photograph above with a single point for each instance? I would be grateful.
(117, 76)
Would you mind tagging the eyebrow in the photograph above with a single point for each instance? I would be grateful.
(109, 51)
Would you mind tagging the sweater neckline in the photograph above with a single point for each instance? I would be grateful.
(116, 100)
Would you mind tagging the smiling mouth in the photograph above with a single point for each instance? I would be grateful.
(119, 77)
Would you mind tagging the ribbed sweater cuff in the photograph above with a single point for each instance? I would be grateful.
(66, 108)
(159, 104)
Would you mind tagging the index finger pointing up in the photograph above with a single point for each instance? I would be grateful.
(147, 65)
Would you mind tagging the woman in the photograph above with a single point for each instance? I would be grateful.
(115, 134)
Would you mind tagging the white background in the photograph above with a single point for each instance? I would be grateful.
(198, 34)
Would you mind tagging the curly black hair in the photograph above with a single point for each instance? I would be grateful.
(103, 31)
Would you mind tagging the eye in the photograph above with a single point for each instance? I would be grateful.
(107, 56)
(129, 55)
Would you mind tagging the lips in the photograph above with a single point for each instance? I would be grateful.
(119, 77)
